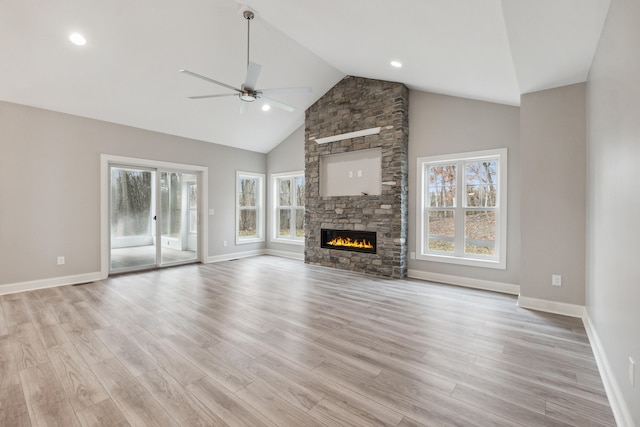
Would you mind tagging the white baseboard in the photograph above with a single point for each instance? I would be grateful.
(487, 285)
(49, 283)
(285, 254)
(617, 402)
(13, 288)
(236, 255)
(247, 254)
(555, 307)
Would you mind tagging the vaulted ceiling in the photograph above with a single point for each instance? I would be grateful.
(127, 73)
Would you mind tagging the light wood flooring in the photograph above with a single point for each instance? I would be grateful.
(145, 256)
(268, 341)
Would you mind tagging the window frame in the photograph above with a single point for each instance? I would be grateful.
(497, 261)
(259, 208)
(275, 207)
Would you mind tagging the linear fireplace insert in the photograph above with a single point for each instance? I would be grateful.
(348, 240)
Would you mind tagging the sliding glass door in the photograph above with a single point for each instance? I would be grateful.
(132, 209)
(179, 219)
(153, 218)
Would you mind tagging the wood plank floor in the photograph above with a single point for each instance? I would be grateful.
(143, 256)
(268, 341)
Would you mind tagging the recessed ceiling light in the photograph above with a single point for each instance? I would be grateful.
(396, 64)
(266, 107)
(77, 39)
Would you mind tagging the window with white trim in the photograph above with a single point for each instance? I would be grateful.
(288, 207)
(462, 214)
(249, 207)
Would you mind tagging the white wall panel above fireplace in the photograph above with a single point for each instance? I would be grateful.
(355, 173)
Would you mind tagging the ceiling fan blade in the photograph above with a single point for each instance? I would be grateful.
(253, 72)
(212, 96)
(285, 90)
(198, 76)
(244, 106)
(278, 104)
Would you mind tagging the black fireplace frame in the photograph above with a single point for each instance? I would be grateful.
(327, 234)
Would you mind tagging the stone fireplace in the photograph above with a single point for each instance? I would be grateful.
(356, 104)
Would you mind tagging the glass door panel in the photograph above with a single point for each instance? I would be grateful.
(179, 217)
(132, 207)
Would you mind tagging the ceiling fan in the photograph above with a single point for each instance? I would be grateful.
(247, 91)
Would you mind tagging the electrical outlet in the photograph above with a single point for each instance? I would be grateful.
(556, 280)
(413, 255)
(212, 211)
(632, 372)
(60, 260)
(224, 243)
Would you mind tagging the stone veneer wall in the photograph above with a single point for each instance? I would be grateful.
(356, 104)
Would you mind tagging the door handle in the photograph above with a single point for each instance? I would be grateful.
(154, 218)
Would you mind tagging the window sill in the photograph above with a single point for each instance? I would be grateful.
(247, 241)
(473, 262)
(288, 241)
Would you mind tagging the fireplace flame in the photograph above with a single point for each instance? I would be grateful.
(347, 242)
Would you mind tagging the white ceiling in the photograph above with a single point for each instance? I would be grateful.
(127, 72)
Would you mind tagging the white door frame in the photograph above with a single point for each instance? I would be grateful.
(107, 160)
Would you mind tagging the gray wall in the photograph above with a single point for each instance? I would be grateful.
(553, 172)
(288, 156)
(613, 204)
(440, 124)
(50, 188)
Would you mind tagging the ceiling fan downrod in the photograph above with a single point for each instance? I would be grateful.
(248, 15)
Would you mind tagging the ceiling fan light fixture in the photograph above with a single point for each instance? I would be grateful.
(247, 97)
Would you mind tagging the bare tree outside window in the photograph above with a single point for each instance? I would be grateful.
(481, 192)
(290, 207)
(442, 195)
(131, 203)
(171, 196)
(248, 222)
(299, 225)
(463, 208)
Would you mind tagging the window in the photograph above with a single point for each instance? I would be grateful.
(288, 207)
(249, 205)
(462, 209)
(193, 207)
